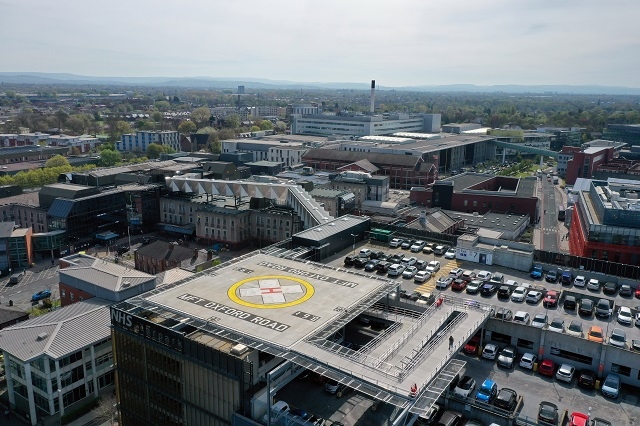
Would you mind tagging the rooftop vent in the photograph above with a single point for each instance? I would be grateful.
(126, 284)
(43, 336)
(239, 349)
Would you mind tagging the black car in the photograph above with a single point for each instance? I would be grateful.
(552, 276)
(122, 250)
(360, 262)
(610, 288)
(548, 413)
(586, 307)
(570, 303)
(371, 265)
(625, 290)
(506, 399)
(407, 244)
(348, 261)
(377, 255)
(396, 258)
(586, 379)
(488, 289)
(504, 292)
(383, 267)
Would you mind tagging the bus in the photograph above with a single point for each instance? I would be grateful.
(561, 210)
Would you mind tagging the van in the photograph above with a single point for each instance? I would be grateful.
(17, 277)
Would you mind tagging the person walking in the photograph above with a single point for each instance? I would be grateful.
(450, 342)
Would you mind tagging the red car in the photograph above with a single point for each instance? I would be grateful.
(638, 291)
(459, 284)
(578, 419)
(551, 299)
(472, 345)
(547, 368)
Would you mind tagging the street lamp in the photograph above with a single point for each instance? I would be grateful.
(354, 242)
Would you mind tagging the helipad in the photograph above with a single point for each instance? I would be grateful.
(298, 310)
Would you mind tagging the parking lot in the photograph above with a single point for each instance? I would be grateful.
(533, 387)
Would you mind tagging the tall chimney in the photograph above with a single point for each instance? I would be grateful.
(372, 107)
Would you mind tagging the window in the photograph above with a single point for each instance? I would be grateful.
(475, 203)
(466, 203)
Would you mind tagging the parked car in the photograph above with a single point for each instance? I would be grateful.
(566, 278)
(533, 297)
(41, 295)
(277, 410)
(551, 299)
(504, 314)
(490, 351)
(360, 262)
(422, 276)
(497, 278)
(595, 334)
(471, 347)
(396, 242)
(539, 321)
(484, 275)
(586, 307)
(522, 317)
(443, 283)
(465, 387)
(456, 273)
(625, 316)
(557, 325)
(586, 379)
(474, 286)
(578, 419)
(406, 244)
(458, 284)
(348, 261)
(506, 399)
(580, 281)
(618, 338)
(380, 255)
(625, 291)
(528, 360)
(536, 272)
(519, 294)
(611, 386)
(417, 246)
(395, 258)
(427, 419)
(409, 261)
(637, 292)
(450, 254)
(575, 329)
(565, 373)
(427, 250)
(421, 265)
(552, 276)
(426, 299)
(547, 368)
(371, 265)
(396, 270)
(383, 267)
(593, 285)
(440, 250)
(409, 272)
(548, 413)
(487, 391)
(450, 418)
(610, 288)
(488, 289)
(507, 356)
(468, 276)
(504, 292)
(569, 303)
(603, 308)
(600, 422)
(433, 266)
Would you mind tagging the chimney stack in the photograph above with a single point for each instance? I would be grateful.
(373, 97)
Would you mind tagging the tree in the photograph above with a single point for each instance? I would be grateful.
(266, 125)
(224, 134)
(254, 129)
(77, 123)
(56, 161)
(232, 121)
(154, 150)
(187, 127)
(162, 105)
(200, 116)
(281, 126)
(61, 118)
(109, 158)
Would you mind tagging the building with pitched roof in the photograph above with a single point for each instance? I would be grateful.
(59, 360)
(160, 256)
(10, 316)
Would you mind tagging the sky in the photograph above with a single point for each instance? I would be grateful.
(396, 42)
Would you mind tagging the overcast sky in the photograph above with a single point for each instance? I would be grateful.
(396, 42)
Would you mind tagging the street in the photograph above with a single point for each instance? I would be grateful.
(549, 218)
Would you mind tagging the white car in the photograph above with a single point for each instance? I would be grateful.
(417, 246)
(593, 285)
(455, 273)
(450, 254)
(433, 266)
(396, 270)
(580, 281)
(533, 296)
(484, 275)
(365, 253)
(557, 325)
(527, 361)
(422, 276)
(396, 242)
(465, 386)
(490, 351)
(512, 283)
(575, 329)
(410, 272)
(565, 373)
(539, 321)
(409, 261)
(625, 316)
(519, 294)
(522, 317)
(443, 283)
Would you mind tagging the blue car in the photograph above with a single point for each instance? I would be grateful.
(487, 391)
(537, 272)
(44, 294)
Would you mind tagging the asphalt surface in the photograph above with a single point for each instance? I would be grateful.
(549, 217)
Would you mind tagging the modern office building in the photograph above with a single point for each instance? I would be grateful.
(284, 152)
(606, 220)
(628, 133)
(21, 249)
(361, 125)
(75, 144)
(583, 162)
(142, 139)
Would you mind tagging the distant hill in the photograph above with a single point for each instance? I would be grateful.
(39, 78)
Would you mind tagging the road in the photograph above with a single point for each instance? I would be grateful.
(33, 282)
(549, 218)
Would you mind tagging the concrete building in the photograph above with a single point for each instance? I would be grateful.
(362, 185)
(361, 125)
(606, 221)
(268, 111)
(75, 144)
(303, 109)
(335, 201)
(142, 139)
(563, 136)
(287, 153)
(58, 361)
(583, 162)
(627, 133)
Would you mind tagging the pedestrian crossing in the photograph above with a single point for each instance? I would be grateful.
(430, 285)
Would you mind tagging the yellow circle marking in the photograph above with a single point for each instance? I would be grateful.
(308, 287)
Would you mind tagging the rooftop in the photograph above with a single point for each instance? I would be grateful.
(100, 273)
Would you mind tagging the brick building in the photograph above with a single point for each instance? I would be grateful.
(160, 256)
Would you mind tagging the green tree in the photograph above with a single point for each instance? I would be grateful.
(232, 121)
(109, 158)
(266, 125)
(154, 150)
(77, 123)
(187, 127)
(280, 126)
(254, 129)
(200, 116)
(162, 105)
(56, 161)
(61, 118)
